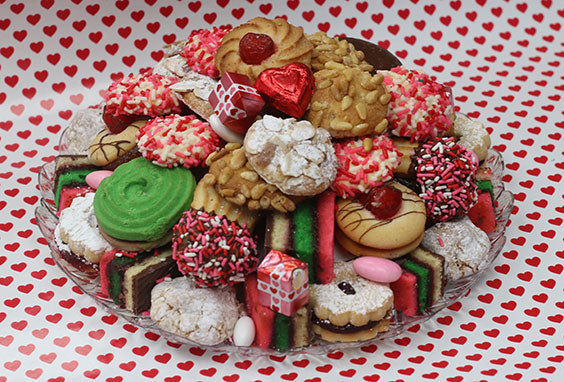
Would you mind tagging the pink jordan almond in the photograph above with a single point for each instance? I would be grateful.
(377, 269)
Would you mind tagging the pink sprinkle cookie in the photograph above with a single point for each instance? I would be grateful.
(446, 175)
(364, 163)
(377, 269)
(142, 94)
(420, 107)
(177, 140)
(213, 250)
(200, 50)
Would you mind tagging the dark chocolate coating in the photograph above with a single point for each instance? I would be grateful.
(346, 329)
(375, 55)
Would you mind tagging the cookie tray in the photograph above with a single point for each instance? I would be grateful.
(46, 219)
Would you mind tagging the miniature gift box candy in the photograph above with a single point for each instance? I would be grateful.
(236, 102)
(282, 283)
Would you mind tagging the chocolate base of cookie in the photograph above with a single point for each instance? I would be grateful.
(136, 246)
(348, 333)
(375, 55)
(362, 250)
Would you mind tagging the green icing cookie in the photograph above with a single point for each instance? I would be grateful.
(141, 201)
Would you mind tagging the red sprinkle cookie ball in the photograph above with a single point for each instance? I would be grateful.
(177, 140)
(420, 108)
(200, 50)
(446, 174)
(364, 163)
(212, 249)
(142, 94)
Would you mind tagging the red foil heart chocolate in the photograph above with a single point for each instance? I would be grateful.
(288, 88)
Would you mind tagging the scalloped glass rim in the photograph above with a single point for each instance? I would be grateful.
(47, 219)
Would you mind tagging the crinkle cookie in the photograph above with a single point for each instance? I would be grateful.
(206, 316)
(237, 181)
(472, 135)
(83, 127)
(348, 102)
(78, 228)
(293, 155)
(464, 246)
(350, 308)
(327, 49)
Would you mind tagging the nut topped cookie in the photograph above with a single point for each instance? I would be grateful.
(327, 49)
(348, 102)
(293, 155)
(237, 181)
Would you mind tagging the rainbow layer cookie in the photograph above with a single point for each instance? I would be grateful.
(70, 178)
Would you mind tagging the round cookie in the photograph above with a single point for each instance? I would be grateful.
(472, 135)
(206, 316)
(290, 45)
(464, 246)
(200, 49)
(350, 308)
(348, 102)
(237, 181)
(360, 225)
(141, 201)
(110, 150)
(327, 49)
(177, 140)
(419, 107)
(357, 249)
(364, 163)
(293, 155)
(213, 250)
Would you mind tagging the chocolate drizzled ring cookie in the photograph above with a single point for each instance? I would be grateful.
(237, 181)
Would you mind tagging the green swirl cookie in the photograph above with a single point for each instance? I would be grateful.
(141, 201)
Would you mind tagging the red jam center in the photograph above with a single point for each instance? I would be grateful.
(383, 201)
(254, 48)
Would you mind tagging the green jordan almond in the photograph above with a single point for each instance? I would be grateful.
(141, 201)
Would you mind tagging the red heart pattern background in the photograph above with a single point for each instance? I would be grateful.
(504, 60)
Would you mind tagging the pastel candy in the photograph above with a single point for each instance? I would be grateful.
(244, 331)
(94, 178)
(377, 269)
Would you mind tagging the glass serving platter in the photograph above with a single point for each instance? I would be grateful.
(47, 219)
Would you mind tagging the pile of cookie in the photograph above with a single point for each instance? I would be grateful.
(207, 191)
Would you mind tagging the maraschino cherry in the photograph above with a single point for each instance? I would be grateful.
(254, 48)
(383, 201)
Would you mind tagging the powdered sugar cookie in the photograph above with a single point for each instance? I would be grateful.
(364, 163)
(293, 155)
(177, 140)
(464, 246)
(350, 308)
(206, 316)
(472, 135)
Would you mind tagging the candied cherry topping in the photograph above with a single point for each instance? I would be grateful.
(383, 201)
(254, 48)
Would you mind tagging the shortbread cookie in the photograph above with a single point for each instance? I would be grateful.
(350, 308)
(406, 148)
(239, 183)
(194, 90)
(364, 163)
(359, 250)
(464, 246)
(361, 219)
(205, 316)
(78, 228)
(348, 102)
(274, 42)
(107, 147)
(327, 49)
(293, 155)
(472, 135)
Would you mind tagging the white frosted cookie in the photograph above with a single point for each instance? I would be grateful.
(350, 308)
(206, 316)
(78, 229)
(464, 246)
(293, 155)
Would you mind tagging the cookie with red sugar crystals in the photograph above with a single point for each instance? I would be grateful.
(144, 94)
(364, 163)
(446, 176)
(212, 250)
(177, 140)
(420, 107)
(200, 50)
